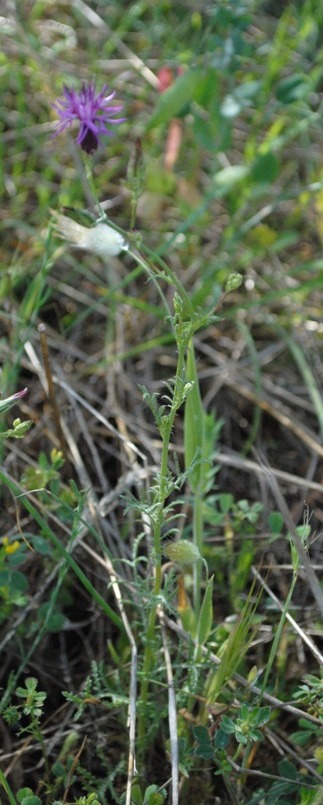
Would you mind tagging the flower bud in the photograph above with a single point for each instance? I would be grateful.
(233, 282)
(182, 552)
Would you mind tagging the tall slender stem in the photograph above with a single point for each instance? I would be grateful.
(198, 542)
(159, 518)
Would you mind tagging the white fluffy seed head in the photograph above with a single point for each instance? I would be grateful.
(105, 241)
(101, 239)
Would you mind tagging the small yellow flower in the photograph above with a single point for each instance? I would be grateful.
(10, 547)
(56, 457)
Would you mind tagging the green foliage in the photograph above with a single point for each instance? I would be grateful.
(26, 797)
(19, 429)
(194, 425)
(13, 583)
(205, 620)
(98, 689)
(308, 733)
(203, 747)
(246, 727)
(310, 693)
(237, 519)
(234, 213)
(33, 698)
(233, 649)
(151, 796)
(45, 473)
(282, 791)
(174, 102)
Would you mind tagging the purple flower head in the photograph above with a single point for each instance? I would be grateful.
(91, 110)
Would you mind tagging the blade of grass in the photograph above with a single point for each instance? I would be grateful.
(47, 531)
(6, 786)
(308, 377)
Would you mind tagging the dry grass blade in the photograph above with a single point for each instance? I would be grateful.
(172, 708)
(309, 439)
(247, 465)
(98, 22)
(310, 573)
(307, 640)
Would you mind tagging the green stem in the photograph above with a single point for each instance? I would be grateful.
(198, 541)
(133, 211)
(158, 268)
(38, 736)
(161, 496)
(89, 177)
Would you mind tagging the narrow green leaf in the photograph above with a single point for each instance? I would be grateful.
(172, 102)
(206, 614)
(7, 789)
(193, 422)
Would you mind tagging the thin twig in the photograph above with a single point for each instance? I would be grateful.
(51, 390)
(133, 679)
(308, 570)
(247, 465)
(263, 774)
(172, 717)
(105, 561)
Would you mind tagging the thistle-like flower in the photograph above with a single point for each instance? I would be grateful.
(91, 110)
(100, 239)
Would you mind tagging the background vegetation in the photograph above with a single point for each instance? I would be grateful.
(220, 162)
